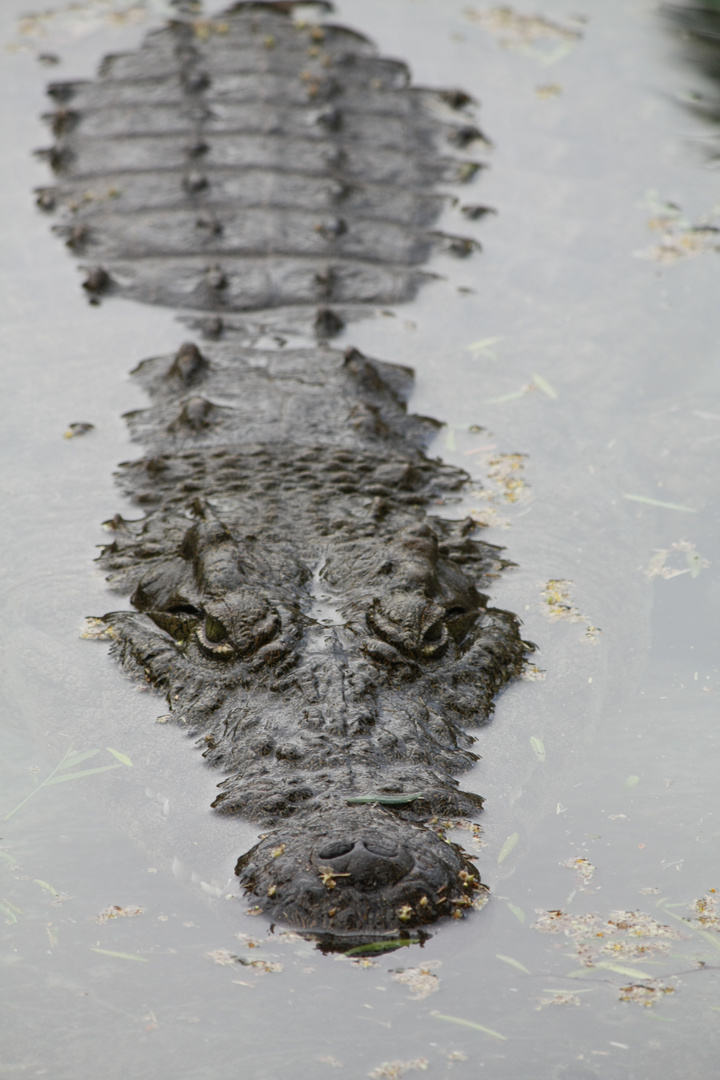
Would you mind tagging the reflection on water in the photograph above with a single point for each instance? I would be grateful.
(579, 382)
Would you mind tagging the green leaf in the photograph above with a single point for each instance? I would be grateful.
(508, 846)
(484, 345)
(450, 443)
(73, 758)
(380, 946)
(8, 858)
(517, 911)
(539, 747)
(546, 387)
(122, 955)
(658, 502)
(77, 775)
(470, 1024)
(120, 757)
(44, 885)
(632, 781)
(506, 397)
(513, 963)
(11, 916)
(385, 800)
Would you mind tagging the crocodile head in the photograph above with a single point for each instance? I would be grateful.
(331, 673)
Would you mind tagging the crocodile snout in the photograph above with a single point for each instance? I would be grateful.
(374, 873)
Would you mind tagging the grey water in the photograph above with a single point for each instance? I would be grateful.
(575, 363)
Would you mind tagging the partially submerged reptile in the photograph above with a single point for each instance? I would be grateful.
(324, 637)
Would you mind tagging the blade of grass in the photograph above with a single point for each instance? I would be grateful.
(517, 911)
(122, 955)
(658, 502)
(59, 774)
(513, 963)
(470, 1024)
(75, 758)
(547, 388)
(77, 775)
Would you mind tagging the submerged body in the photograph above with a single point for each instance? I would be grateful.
(326, 639)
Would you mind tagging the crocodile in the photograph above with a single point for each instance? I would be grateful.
(313, 621)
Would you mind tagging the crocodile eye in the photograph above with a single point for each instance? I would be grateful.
(214, 630)
(433, 633)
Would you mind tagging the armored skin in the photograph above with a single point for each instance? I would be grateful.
(325, 637)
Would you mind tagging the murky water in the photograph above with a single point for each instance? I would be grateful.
(569, 341)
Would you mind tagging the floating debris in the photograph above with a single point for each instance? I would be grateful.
(391, 1070)
(419, 979)
(583, 868)
(624, 935)
(548, 90)
(706, 912)
(503, 482)
(533, 35)
(561, 997)
(93, 629)
(647, 993)
(249, 942)
(227, 959)
(679, 238)
(668, 562)
(558, 604)
(117, 912)
(81, 17)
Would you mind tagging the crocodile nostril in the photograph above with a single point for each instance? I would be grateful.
(385, 851)
(334, 851)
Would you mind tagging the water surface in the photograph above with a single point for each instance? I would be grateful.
(567, 341)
